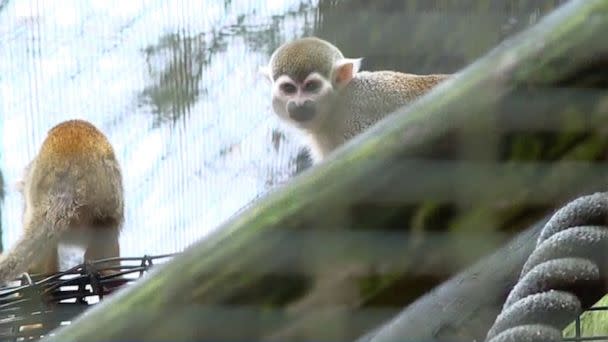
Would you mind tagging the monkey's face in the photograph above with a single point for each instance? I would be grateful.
(301, 103)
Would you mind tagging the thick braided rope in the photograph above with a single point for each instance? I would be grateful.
(555, 284)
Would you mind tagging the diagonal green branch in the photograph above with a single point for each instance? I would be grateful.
(469, 118)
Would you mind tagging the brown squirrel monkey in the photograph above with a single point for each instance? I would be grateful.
(73, 193)
(318, 90)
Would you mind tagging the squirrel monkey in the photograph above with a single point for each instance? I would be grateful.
(73, 193)
(318, 90)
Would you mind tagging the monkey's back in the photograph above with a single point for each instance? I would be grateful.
(76, 162)
(371, 96)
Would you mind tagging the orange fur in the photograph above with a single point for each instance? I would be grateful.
(73, 192)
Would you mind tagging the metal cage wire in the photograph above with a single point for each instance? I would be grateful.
(38, 303)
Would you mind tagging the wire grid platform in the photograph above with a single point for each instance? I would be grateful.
(42, 303)
(578, 333)
(39, 303)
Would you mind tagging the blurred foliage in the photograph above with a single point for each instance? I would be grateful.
(424, 36)
(178, 61)
(176, 64)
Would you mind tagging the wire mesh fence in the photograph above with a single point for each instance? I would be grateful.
(39, 304)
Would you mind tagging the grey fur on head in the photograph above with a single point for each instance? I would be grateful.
(302, 56)
(569, 259)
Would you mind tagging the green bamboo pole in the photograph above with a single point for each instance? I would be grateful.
(240, 272)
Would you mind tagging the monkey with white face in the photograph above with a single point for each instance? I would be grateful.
(316, 89)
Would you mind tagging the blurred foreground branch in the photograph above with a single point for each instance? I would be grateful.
(506, 141)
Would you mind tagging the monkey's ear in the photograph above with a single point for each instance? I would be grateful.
(345, 69)
(265, 71)
(19, 185)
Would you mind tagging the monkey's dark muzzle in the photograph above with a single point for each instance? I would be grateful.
(302, 112)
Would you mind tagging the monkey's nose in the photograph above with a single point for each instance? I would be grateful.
(302, 112)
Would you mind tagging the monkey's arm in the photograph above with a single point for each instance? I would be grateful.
(41, 232)
(19, 184)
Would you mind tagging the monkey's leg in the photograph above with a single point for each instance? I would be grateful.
(103, 245)
(49, 264)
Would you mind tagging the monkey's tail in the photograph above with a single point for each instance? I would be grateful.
(41, 235)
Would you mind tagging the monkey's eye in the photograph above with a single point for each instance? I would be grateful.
(288, 88)
(312, 86)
